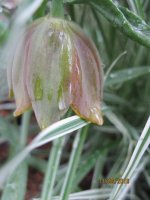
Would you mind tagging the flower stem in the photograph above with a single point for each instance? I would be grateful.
(24, 128)
(73, 163)
(57, 9)
(53, 164)
(52, 167)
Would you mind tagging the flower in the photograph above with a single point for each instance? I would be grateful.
(55, 66)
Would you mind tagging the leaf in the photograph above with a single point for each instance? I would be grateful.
(101, 193)
(51, 133)
(126, 21)
(73, 163)
(138, 153)
(52, 167)
(117, 122)
(8, 131)
(124, 75)
(58, 130)
(16, 187)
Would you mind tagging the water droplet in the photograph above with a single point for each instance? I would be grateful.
(61, 99)
(62, 105)
(113, 75)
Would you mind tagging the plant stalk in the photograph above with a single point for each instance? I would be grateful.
(73, 163)
(53, 163)
(57, 9)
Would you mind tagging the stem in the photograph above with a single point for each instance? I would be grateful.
(52, 167)
(57, 9)
(73, 163)
(24, 128)
(113, 65)
(53, 163)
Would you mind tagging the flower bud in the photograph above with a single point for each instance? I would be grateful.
(55, 66)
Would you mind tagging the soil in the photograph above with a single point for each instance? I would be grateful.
(34, 184)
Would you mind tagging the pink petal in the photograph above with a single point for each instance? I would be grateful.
(18, 77)
(86, 80)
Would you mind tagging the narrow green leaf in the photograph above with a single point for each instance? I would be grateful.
(98, 170)
(87, 162)
(140, 149)
(51, 133)
(8, 131)
(102, 194)
(53, 163)
(113, 65)
(126, 21)
(124, 75)
(90, 161)
(16, 186)
(117, 122)
(58, 130)
(73, 163)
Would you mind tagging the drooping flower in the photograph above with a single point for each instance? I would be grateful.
(55, 66)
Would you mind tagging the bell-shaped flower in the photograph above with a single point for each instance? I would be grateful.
(56, 66)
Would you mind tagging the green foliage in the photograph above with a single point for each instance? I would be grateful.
(123, 19)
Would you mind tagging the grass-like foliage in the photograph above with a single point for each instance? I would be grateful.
(81, 160)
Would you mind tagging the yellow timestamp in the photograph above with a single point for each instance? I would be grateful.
(114, 181)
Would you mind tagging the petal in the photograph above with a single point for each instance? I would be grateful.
(48, 78)
(15, 56)
(86, 80)
(78, 33)
(9, 75)
(19, 67)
